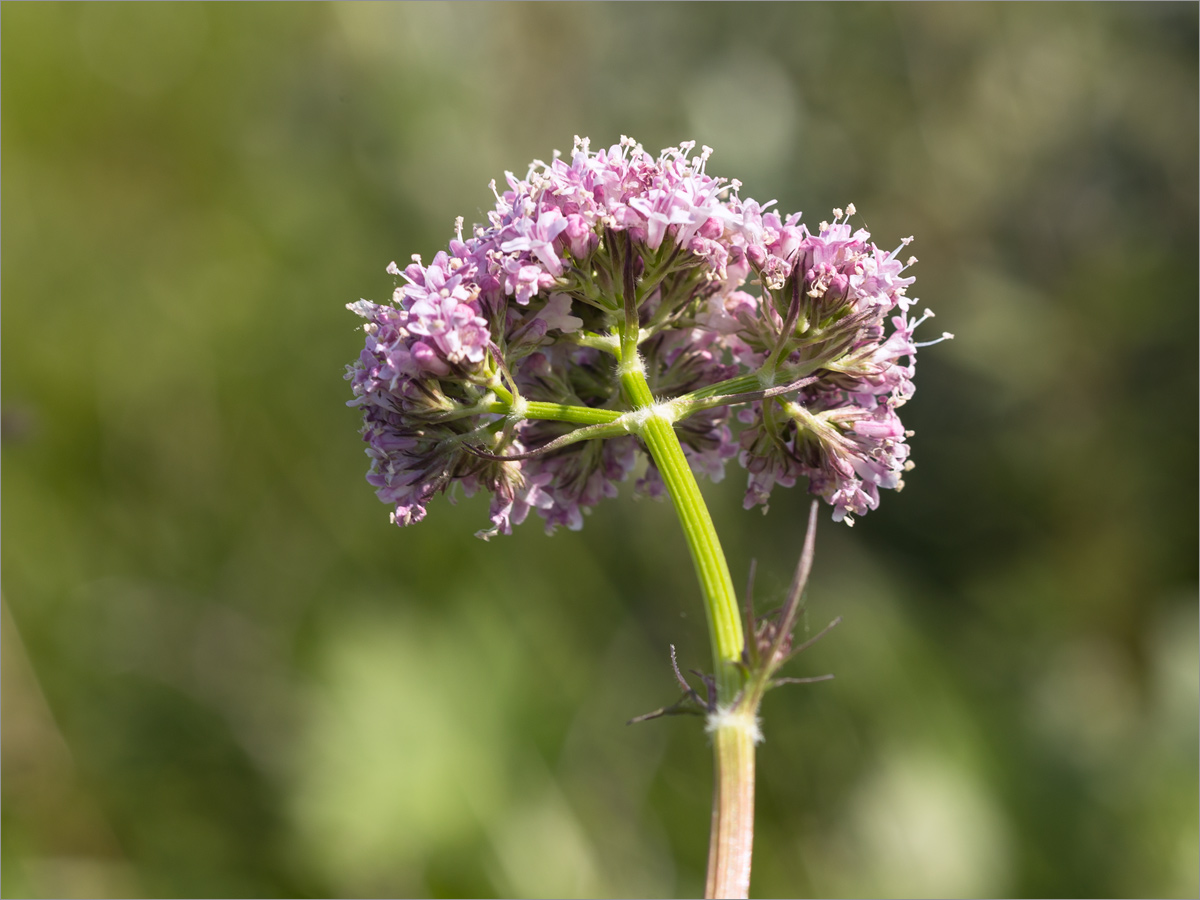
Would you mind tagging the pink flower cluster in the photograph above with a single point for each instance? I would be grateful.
(521, 308)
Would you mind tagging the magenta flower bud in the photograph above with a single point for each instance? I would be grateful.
(838, 289)
(427, 358)
(737, 266)
(638, 234)
(581, 238)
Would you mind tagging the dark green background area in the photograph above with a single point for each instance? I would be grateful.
(225, 673)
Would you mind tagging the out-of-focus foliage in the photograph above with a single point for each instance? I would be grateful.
(225, 673)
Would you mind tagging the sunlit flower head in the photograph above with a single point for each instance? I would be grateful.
(731, 298)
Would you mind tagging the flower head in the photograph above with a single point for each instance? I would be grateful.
(490, 359)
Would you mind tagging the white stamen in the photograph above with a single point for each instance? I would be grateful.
(946, 336)
(928, 314)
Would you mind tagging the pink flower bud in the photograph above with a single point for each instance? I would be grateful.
(711, 229)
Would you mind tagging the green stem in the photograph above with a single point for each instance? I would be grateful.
(558, 412)
(582, 415)
(720, 598)
(733, 724)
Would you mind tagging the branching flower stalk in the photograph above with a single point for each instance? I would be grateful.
(619, 306)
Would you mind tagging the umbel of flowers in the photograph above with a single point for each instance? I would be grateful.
(504, 364)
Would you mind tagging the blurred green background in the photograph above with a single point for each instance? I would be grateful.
(226, 674)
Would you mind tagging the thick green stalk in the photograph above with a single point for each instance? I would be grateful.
(734, 728)
(720, 599)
